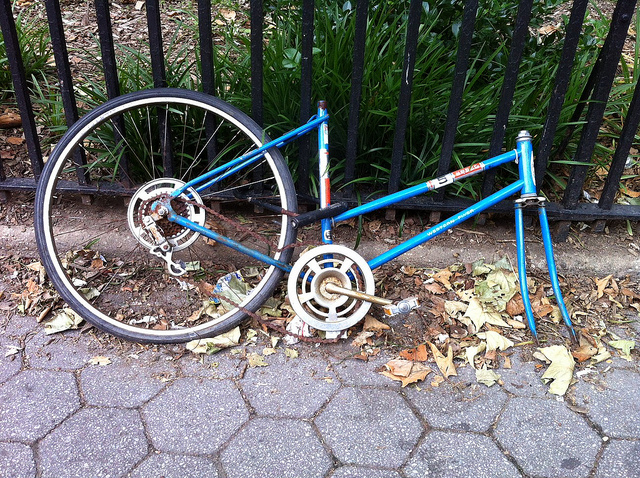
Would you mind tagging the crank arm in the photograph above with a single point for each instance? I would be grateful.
(390, 308)
(354, 294)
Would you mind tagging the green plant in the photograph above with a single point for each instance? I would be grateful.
(35, 48)
(435, 60)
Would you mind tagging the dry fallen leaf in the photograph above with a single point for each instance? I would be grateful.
(602, 284)
(399, 367)
(487, 377)
(256, 360)
(435, 288)
(10, 120)
(515, 306)
(362, 338)
(215, 344)
(418, 354)
(371, 324)
(100, 360)
(479, 316)
(64, 320)
(507, 360)
(585, 351)
(495, 341)
(39, 268)
(474, 350)
(453, 308)
(443, 277)
(560, 372)
(405, 371)
(445, 364)
(291, 353)
(624, 347)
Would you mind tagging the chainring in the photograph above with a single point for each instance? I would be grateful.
(307, 292)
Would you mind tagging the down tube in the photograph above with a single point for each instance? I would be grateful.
(446, 225)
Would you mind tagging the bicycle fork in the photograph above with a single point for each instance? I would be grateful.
(551, 263)
(530, 198)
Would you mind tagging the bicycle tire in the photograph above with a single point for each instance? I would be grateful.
(125, 147)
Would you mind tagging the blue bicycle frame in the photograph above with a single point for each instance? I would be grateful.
(525, 186)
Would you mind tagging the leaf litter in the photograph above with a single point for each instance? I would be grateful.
(470, 314)
(477, 314)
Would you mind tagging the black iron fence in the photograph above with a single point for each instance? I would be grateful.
(594, 96)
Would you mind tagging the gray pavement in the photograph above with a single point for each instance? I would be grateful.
(165, 412)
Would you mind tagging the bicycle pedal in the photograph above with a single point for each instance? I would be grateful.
(403, 307)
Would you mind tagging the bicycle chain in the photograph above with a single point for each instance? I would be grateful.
(254, 315)
(250, 232)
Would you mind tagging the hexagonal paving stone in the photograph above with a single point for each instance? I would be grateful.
(462, 404)
(523, 379)
(19, 325)
(294, 388)
(620, 458)
(104, 442)
(532, 428)
(120, 385)
(35, 401)
(275, 448)
(11, 364)
(611, 402)
(357, 372)
(16, 461)
(360, 471)
(221, 365)
(175, 466)
(68, 351)
(369, 427)
(194, 416)
(456, 455)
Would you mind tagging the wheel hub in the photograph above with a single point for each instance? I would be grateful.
(141, 204)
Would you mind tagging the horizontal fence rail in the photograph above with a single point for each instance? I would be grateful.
(595, 95)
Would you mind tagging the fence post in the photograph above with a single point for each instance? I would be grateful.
(305, 92)
(520, 34)
(457, 88)
(257, 62)
(12, 46)
(66, 82)
(404, 101)
(606, 73)
(631, 123)
(362, 14)
(574, 28)
(206, 47)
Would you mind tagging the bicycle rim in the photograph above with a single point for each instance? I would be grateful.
(135, 149)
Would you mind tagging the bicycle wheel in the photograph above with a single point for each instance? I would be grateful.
(142, 146)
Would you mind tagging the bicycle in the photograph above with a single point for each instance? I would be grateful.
(170, 268)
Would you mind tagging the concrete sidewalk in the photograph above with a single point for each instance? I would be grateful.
(164, 412)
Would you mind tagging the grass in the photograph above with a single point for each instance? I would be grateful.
(35, 48)
(386, 30)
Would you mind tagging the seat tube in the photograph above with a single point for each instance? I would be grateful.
(323, 165)
(525, 163)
